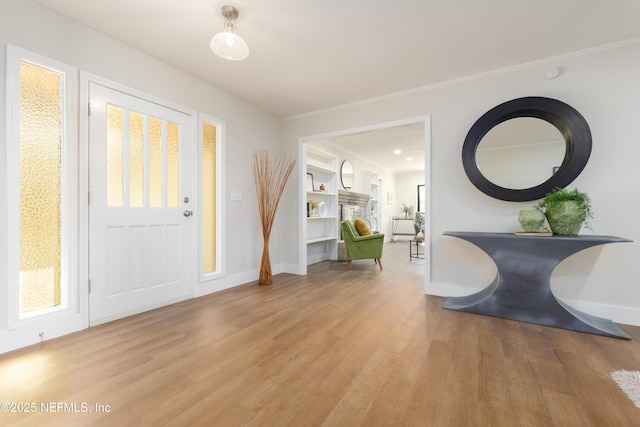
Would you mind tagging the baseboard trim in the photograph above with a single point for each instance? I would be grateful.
(226, 282)
(233, 280)
(617, 313)
(138, 310)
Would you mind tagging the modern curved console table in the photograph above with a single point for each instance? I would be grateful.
(521, 290)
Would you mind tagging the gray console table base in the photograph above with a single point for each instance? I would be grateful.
(521, 290)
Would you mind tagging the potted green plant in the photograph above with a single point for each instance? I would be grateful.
(532, 220)
(418, 225)
(405, 209)
(566, 211)
(419, 220)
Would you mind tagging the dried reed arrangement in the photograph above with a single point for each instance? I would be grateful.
(270, 175)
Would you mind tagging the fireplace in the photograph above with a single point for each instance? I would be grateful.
(350, 212)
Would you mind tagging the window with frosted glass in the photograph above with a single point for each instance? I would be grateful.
(136, 160)
(155, 162)
(148, 145)
(115, 169)
(40, 150)
(209, 197)
(173, 165)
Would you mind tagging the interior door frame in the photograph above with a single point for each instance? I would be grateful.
(84, 164)
(302, 229)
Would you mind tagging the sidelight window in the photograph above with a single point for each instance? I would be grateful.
(41, 155)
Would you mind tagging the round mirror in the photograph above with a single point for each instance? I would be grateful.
(520, 153)
(522, 158)
(346, 174)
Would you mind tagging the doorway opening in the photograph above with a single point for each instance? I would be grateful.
(371, 148)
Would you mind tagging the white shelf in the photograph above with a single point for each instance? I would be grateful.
(318, 168)
(321, 231)
(321, 240)
(321, 193)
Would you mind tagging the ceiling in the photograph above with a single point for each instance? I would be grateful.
(397, 149)
(310, 55)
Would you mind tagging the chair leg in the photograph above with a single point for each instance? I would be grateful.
(350, 264)
(379, 262)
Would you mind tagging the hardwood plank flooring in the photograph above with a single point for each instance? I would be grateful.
(334, 348)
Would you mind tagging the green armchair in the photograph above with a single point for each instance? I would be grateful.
(362, 247)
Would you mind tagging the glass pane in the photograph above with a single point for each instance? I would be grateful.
(40, 183)
(173, 165)
(115, 170)
(155, 163)
(136, 160)
(209, 196)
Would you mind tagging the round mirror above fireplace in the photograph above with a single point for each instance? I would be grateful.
(346, 174)
(544, 144)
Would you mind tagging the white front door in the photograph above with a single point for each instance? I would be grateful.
(140, 205)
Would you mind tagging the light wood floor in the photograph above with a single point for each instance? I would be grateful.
(336, 348)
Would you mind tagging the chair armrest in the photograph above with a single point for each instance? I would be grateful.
(369, 237)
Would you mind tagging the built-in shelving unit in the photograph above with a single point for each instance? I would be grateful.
(372, 183)
(322, 225)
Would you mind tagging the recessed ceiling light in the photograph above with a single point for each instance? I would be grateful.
(409, 158)
(397, 151)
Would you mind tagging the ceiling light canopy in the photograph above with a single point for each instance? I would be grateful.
(228, 44)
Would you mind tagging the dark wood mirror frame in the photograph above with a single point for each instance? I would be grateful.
(571, 124)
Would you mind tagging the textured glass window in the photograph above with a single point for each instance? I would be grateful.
(136, 160)
(115, 169)
(209, 196)
(173, 165)
(155, 162)
(40, 183)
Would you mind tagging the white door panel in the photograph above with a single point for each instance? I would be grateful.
(139, 256)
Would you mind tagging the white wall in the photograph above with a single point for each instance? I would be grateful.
(603, 86)
(28, 25)
(407, 190)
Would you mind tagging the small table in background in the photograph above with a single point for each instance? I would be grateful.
(396, 220)
(415, 243)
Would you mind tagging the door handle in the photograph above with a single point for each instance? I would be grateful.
(188, 213)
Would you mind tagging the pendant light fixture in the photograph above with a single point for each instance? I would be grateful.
(228, 44)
